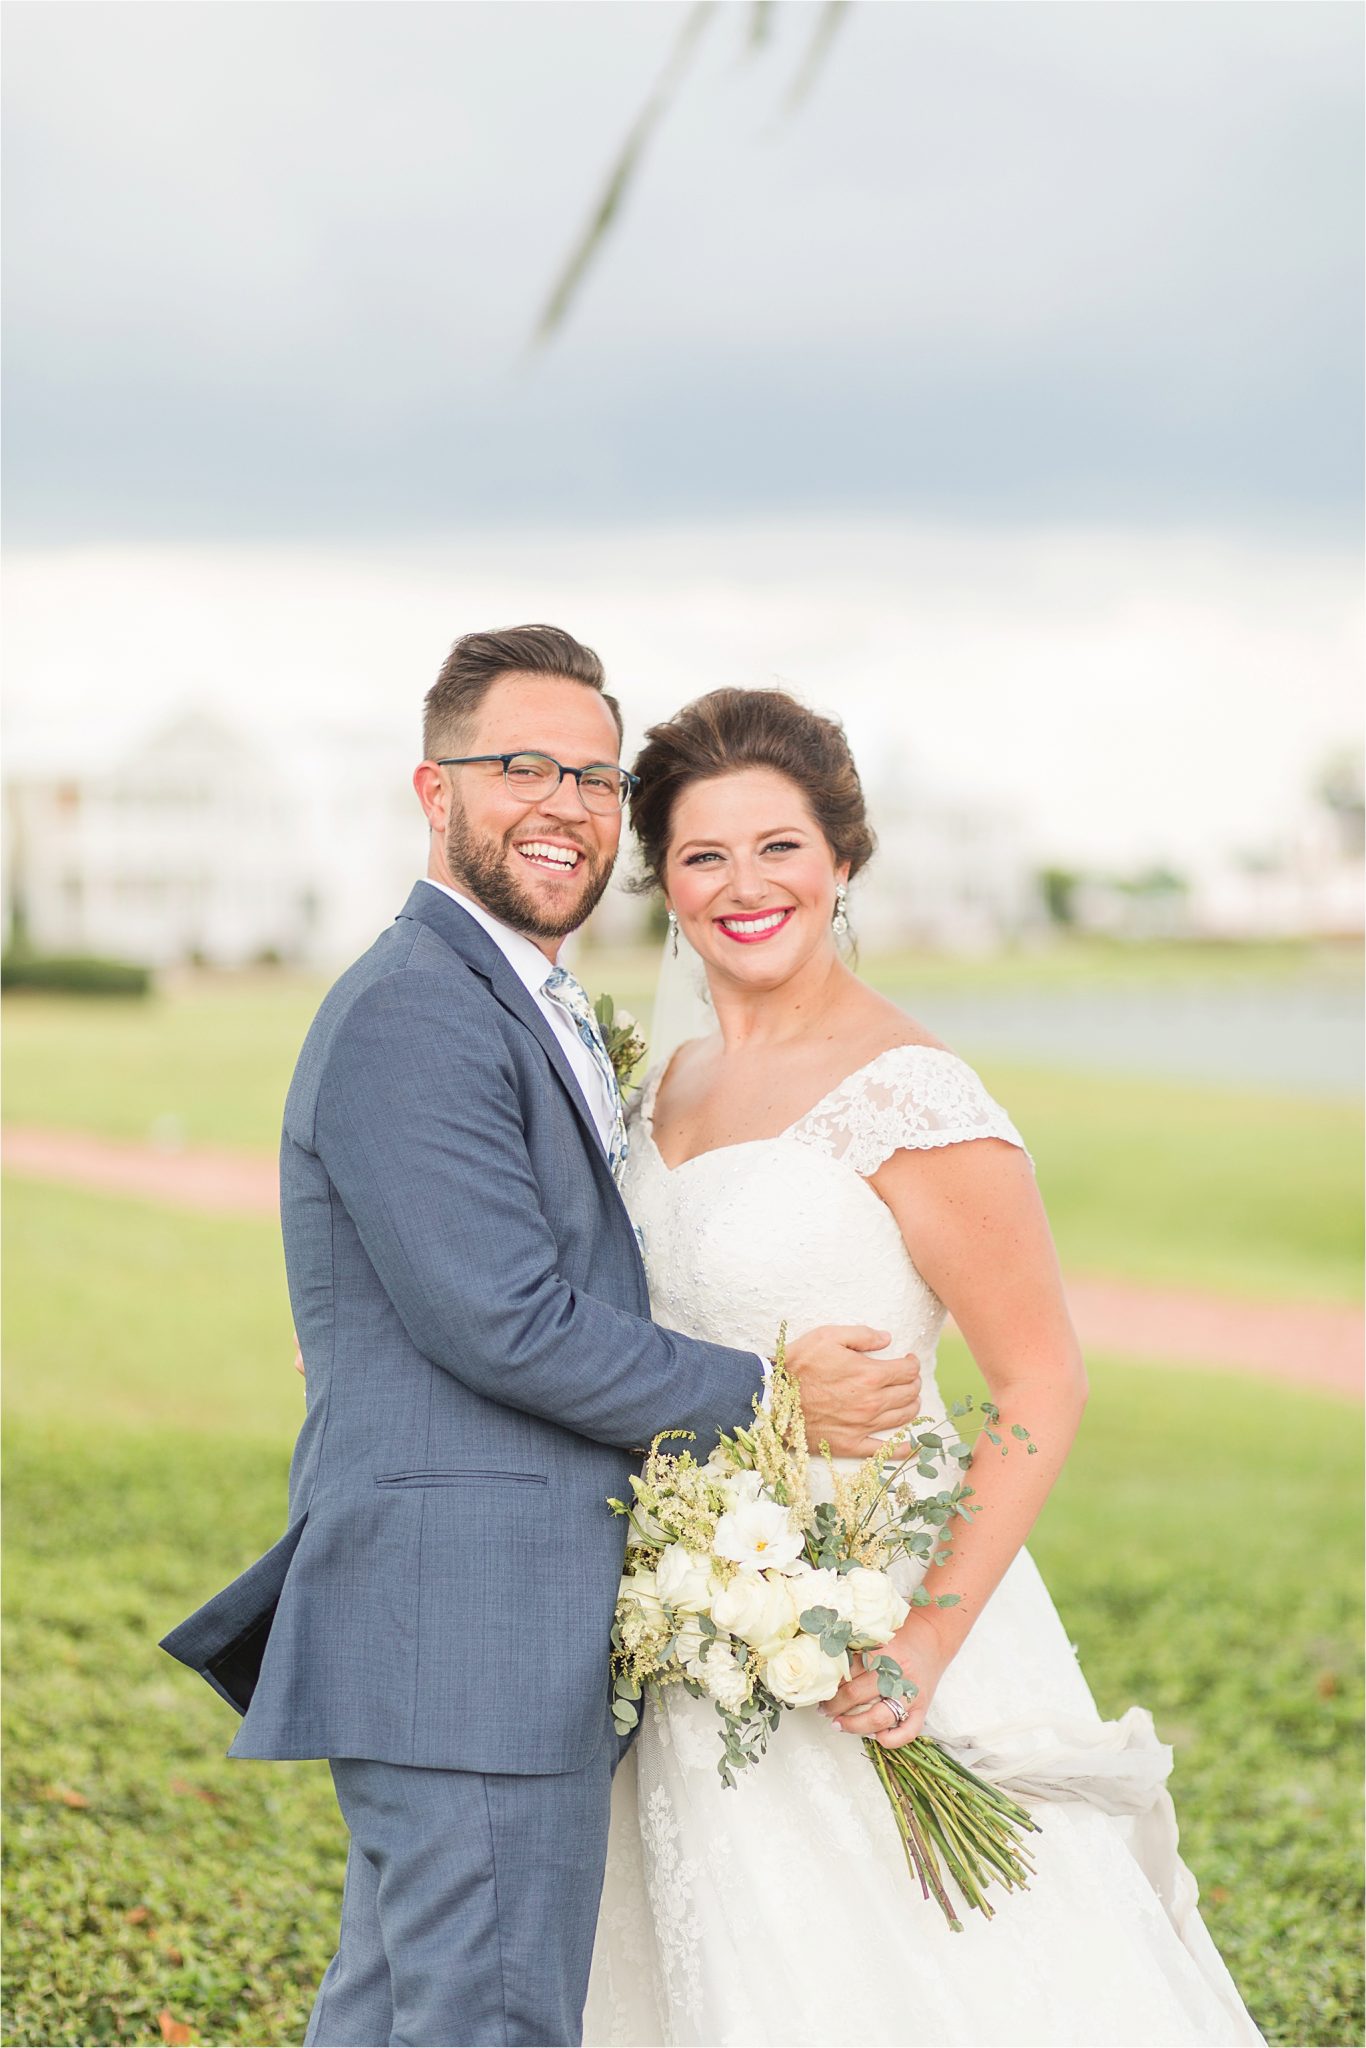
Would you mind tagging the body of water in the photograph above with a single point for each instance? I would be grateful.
(1297, 1037)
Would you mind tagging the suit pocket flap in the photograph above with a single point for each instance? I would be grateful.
(467, 1477)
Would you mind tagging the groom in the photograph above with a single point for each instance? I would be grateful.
(473, 1313)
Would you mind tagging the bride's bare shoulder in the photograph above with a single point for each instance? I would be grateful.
(883, 1026)
(687, 1067)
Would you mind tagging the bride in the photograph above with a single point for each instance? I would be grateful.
(821, 1156)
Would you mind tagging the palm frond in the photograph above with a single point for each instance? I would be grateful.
(619, 179)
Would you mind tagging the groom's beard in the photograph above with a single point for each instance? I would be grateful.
(484, 867)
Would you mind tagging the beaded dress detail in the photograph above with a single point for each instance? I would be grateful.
(781, 1912)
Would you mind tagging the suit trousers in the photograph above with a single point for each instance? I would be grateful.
(470, 1907)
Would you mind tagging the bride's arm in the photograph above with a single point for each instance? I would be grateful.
(975, 1227)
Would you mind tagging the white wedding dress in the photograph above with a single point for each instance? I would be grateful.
(782, 1911)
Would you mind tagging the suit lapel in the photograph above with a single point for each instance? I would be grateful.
(460, 932)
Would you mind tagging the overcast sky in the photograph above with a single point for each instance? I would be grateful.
(1006, 397)
(271, 268)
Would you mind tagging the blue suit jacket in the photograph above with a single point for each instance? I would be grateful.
(472, 1307)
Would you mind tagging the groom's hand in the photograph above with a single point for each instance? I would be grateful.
(848, 1397)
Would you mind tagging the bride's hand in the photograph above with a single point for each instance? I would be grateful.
(848, 1397)
(857, 1707)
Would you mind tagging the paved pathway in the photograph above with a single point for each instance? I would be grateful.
(1306, 1343)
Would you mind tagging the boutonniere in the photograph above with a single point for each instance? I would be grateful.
(621, 1036)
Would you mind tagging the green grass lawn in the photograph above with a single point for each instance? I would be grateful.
(1203, 1545)
(208, 1061)
(1253, 1194)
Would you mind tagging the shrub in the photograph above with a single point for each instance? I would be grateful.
(75, 974)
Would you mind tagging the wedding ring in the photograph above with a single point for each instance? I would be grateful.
(898, 1711)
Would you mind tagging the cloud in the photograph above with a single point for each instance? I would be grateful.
(1127, 696)
(271, 269)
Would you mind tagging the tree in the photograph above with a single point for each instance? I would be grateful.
(1059, 889)
(1341, 794)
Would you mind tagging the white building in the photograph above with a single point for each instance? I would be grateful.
(201, 846)
(1311, 886)
(206, 845)
(951, 876)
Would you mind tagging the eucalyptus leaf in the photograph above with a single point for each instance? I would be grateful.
(816, 1620)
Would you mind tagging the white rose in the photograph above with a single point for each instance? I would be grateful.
(647, 1528)
(683, 1581)
(758, 1609)
(877, 1609)
(688, 1641)
(823, 1589)
(724, 1677)
(758, 1534)
(740, 1488)
(640, 1587)
(801, 1673)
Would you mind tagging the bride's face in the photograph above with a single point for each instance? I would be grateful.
(751, 877)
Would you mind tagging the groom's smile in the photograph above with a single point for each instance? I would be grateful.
(552, 856)
(538, 863)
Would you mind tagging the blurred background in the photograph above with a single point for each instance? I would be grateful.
(988, 374)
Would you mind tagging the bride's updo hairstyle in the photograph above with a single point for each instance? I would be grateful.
(730, 730)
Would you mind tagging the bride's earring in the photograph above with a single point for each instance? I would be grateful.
(673, 933)
(839, 923)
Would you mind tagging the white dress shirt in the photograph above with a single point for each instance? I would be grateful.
(531, 968)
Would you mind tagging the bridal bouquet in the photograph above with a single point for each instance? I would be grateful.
(742, 1590)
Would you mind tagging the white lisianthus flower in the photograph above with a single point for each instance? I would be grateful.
(725, 1678)
(823, 1589)
(640, 1587)
(801, 1674)
(683, 1581)
(877, 1610)
(758, 1609)
(757, 1535)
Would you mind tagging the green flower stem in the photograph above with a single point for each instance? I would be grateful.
(975, 1852)
(959, 1846)
(947, 1816)
(919, 1852)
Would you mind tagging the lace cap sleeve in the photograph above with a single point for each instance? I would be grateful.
(913, 1098)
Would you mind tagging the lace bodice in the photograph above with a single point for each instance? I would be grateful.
(745, 1236)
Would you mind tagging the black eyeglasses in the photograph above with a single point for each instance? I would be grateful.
(533, 776)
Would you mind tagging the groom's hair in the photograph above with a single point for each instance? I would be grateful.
(477, 661)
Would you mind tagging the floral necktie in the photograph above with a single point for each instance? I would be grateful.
(561, 987)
